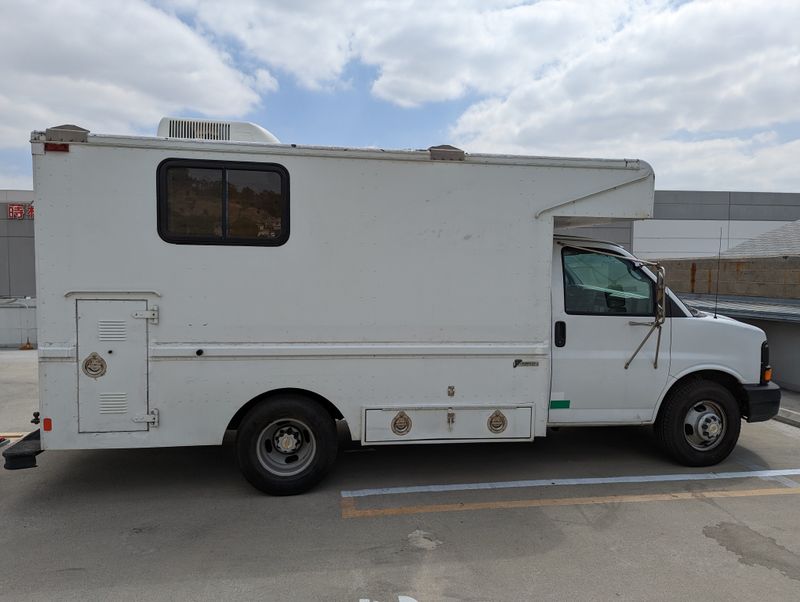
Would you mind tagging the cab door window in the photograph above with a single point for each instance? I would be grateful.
(604, 285)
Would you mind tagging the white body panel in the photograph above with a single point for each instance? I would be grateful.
(406, 284)
(721, 343)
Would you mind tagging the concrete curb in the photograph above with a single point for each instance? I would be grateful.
(788, 417)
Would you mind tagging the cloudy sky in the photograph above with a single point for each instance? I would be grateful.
(707, 91)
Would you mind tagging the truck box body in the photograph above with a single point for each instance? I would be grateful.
(405, 282)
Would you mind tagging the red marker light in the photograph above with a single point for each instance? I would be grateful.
(47, 424)
(58, 147)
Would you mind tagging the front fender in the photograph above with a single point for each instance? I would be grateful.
(675, 378)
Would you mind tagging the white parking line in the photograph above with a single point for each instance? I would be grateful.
(658, 478)
(783, 480)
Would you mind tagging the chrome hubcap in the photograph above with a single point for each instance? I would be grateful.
(704, 425)
(286, 447)
(287, 440)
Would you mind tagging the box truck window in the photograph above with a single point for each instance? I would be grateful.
(604, 285)
(211, 202)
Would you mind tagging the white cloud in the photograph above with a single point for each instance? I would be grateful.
(681, 84)
(423, 51)
(725, 163)
(264, 81)
(308, 39)
(701, 91)
(706, 90)
(114, 66)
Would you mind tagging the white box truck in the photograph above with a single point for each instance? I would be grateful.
(212, 279)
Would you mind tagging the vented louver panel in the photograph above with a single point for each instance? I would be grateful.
(204, 130)
(113, 403)
(111, 330)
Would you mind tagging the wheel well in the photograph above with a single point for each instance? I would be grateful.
(722, 378)
(325, 403)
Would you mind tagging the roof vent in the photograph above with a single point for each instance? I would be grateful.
(205, 129)
(446, 152)
(66, 133)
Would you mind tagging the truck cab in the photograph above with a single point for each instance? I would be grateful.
(625, 352)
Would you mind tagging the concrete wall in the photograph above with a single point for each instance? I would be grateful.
(17, 265)
(17, 322)
(784, 351)
(688, 223)
(775, 277)
(661, 239)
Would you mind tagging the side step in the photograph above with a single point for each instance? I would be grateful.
(22, 454)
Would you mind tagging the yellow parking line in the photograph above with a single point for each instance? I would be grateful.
(12, 435)
(349, 509)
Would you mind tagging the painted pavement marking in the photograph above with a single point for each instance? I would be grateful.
(349, 509)
(659, 478)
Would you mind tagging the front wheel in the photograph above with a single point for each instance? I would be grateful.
(699, 423)
(286, 445)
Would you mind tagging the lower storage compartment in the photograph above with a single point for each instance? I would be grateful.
(453, 423)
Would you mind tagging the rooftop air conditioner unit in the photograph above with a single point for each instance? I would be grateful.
(207, 129)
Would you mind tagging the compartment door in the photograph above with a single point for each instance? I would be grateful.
(112, 366)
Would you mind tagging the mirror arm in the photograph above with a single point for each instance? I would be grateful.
(659, 318)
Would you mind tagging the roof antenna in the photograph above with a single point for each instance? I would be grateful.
(719, 261)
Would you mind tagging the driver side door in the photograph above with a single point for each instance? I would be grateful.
(602, 307)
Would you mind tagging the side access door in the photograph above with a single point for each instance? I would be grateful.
(603, 306)
(112, 366)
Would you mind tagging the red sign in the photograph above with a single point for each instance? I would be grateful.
(19, 211)
(16, 211)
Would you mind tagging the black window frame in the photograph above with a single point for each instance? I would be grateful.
(162, 202)
(609, 314)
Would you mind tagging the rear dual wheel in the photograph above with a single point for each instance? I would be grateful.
(286, 445)
(699, 423)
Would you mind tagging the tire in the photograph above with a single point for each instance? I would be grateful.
(699, 423)
(286, 445)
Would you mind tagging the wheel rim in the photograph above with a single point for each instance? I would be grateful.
(704, 425)
(286, 447)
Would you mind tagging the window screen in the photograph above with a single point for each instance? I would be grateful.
(213, 202)
(604, 285)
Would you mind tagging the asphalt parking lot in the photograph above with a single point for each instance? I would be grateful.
(582, 514)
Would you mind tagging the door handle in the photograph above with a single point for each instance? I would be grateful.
(560, 334)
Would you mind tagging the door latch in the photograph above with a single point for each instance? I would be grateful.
(150, 418)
